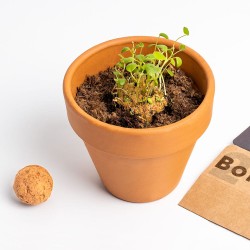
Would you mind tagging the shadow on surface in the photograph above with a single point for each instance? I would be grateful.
(53, 140)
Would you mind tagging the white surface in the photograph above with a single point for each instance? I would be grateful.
(38, 41)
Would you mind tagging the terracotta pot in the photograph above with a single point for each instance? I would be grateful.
(138, 165)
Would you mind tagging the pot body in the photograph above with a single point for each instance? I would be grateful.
(138, 165)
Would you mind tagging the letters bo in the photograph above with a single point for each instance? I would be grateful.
(225, 164)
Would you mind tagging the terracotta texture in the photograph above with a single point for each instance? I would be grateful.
(33, 185)
(138, 165)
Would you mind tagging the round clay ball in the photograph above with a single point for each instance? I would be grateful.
(33, 185)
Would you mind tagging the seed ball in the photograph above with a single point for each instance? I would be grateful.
(33, 185)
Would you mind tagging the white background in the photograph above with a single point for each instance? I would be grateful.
(38, 41)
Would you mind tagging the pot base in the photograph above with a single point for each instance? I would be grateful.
(139, 180)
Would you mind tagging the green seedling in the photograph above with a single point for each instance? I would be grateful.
(140, 79)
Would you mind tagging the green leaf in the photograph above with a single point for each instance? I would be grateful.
(151, 69)
(116, 73)
(159, 56)
(170, 52)
(163, 35)
(139, 45)
(131, 67)
(178, 62)
(150, 101)
(127, 60)
(120, 81)
(140, 57)
(149, 57)
(170, 72)
(172, 61)
(120, 65)
(125, 49)
(151, 45)
(182, 47)
(140, 69)
(162, 47)
(185, 31)
(157, 69)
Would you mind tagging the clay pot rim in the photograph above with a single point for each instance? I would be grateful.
(139, 131)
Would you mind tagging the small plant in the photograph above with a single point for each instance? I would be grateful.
(140, 79)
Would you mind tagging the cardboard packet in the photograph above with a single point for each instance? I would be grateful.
(222, 192)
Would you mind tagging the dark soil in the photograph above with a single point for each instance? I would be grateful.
(94, 97)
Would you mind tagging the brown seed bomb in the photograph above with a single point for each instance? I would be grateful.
(33, 185)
